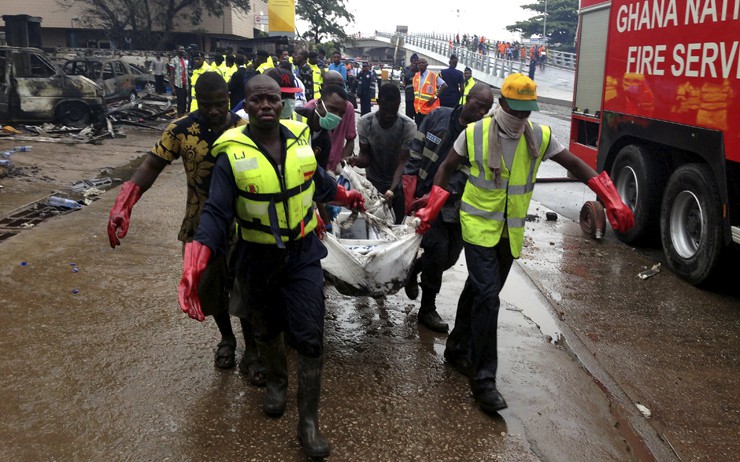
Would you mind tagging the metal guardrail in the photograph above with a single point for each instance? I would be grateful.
(440, 43)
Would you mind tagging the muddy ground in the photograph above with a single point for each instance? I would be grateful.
(116, 372)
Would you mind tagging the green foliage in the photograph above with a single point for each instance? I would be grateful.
(144, 22)
(327, 19)
(562, 22)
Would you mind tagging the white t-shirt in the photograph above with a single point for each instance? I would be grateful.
(508, 145)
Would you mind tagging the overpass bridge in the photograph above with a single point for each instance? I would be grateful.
(554, 83)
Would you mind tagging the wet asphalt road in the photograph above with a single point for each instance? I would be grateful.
(116, 372)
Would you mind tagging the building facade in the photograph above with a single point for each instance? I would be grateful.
(66, 27)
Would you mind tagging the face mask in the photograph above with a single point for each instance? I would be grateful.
(330, 121)
(288, 108)
(512, 126)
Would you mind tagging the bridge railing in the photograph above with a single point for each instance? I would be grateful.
(440, 43)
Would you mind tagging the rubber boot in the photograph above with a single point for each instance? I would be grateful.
(309, 391)
(273, 355)
(428, 315)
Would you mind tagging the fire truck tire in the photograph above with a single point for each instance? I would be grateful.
(691, 224)
(639, 176)
(73, 114)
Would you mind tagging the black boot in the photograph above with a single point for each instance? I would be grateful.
(487, 396)
(428, 313)
(309, 391)
(273, 355)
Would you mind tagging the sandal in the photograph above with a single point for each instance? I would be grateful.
(254, 370)
(225, 357)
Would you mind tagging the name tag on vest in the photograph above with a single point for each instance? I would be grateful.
(433, 139)
(242, 165)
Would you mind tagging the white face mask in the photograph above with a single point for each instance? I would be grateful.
(288, 108)
(512, 126)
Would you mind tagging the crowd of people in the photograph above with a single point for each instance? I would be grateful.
(259, 147)
(502, 49)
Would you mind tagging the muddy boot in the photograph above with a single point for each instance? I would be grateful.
(273, 355)
(428, 313)
(309, 390)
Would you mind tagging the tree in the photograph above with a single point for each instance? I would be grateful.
(144, 22)
(562, 22)
(325, 18)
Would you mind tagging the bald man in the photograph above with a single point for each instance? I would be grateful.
(443, 243)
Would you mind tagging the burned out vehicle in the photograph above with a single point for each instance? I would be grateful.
(32, 88)
(116, 77)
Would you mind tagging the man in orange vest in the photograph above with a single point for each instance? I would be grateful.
(428, 86)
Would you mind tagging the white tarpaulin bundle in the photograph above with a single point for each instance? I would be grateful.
(368, 254)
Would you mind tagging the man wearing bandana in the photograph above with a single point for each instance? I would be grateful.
(504, 152)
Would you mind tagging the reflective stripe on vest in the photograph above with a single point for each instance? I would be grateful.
(425, 92)
(487, 206)
(299, 118)
(272, 208)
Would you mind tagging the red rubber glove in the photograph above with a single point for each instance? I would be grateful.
(420, 203)
(353, 200)
(193, 266)
(409, 190)
(620, 216)
(437, 199)
(320, 229)
(120, 214)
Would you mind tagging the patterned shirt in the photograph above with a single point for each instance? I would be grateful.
(189, 139)
(180, 71)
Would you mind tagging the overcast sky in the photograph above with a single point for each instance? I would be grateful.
(475, 17)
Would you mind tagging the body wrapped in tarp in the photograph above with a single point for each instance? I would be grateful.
(367, 253)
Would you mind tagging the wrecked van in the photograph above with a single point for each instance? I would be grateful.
(114, 76)
(32, 88)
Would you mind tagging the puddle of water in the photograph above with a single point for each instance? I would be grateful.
(520, 292)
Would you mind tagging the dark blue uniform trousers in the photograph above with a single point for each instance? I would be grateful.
(442, 245)
(476, 321)
(285, 293)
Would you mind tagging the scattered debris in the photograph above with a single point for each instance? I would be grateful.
(650, 272)
(147, 111)
(645, 411)
(551, 216)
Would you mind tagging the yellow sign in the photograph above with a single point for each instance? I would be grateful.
(281, 14)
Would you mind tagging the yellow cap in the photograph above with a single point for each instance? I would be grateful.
(520, 92)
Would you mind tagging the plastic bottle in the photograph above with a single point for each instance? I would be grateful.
(6, 154)
(5, 162)
(23, 148)
(62, 202)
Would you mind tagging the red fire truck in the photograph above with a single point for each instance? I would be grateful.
(657, 105)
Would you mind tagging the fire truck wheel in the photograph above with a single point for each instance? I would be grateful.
(73, 114)
(639, 176)
(691, 223)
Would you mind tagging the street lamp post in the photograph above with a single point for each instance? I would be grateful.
(544, 24)
(72, 36)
